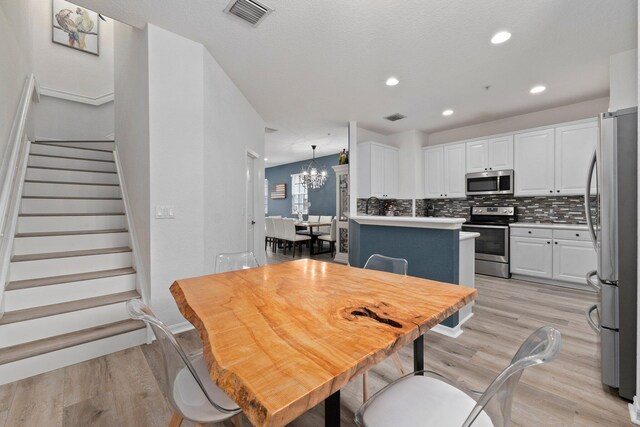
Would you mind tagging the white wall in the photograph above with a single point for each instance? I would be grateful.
(567, 113)
(623, 82)
(59, 119)
(411, 174)
(132, 135)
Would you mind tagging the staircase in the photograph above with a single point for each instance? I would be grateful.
(71, 270)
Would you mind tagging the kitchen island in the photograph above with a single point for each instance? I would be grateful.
(435, 248)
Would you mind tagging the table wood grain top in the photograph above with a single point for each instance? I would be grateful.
(280, 339)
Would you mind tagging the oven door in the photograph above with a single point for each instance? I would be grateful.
(493, 243)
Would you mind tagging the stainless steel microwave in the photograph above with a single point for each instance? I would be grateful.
(490, 182)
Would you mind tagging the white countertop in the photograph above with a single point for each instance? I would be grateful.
(466, 235)
(409, 221)
(554, 226)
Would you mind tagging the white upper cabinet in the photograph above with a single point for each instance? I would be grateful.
(534, 163)
(377, 170)
(434, 172)
(444, 171)
(501, 153)
(477, 156)
(454, 171)
(575, 145)
(490, 154)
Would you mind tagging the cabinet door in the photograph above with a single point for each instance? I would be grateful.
(531, 257)
(377, 171)
(454, 170)
(477, 156)
(534, 163)
(433, 173)
(501, 153)
(390, 173)
(572, 259)
(574, 147)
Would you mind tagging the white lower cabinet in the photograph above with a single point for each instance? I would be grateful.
(555, 254)
(532, 256)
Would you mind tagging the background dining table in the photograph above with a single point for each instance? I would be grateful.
(314, 236)
(282, 338)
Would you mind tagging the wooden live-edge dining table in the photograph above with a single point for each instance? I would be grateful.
(282, 338)
(314, 236)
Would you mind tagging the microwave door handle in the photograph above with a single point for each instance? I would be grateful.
(587, 201)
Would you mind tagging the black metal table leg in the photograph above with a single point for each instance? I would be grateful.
(418, 354)
(332, 410)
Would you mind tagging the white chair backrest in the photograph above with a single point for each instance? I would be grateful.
(314, 218)
(269, 229)
(327, 228)
(278, 228)
(333, 233)
(289, 226)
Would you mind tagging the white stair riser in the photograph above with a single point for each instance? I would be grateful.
(107, 145)
(70, 206)
(70, 223)
(45, 327)
(77, 242)
(71, 176)
(55, 162)
(26, 368)
(60, 266)
(20, 299)
(70, 190)
(70, 152)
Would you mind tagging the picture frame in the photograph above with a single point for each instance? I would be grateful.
(75, 27)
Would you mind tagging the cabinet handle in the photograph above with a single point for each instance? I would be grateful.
(555, 243)
(577, 234)
(485, 168)
(490, 169)
(558, 191)
(529, 232)
(548, 243)
(550, 191)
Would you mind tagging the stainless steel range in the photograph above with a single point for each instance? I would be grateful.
(492, 247)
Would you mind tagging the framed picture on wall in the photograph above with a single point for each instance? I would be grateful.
(75, 27)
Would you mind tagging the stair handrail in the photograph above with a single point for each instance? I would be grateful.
(12, 172)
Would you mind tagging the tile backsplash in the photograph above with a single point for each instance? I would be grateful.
(563, 209)
(402, 207)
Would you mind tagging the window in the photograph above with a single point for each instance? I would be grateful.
(298, 195)
(266, 196)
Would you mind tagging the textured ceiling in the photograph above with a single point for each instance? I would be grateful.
(313, 65)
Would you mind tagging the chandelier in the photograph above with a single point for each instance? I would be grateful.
(313, 176)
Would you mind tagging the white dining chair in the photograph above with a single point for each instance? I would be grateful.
(426, 398)
(331, 237)
(390, 265)
(269, 232)
(278, 228)
(313, 218)
(235, 261)
(185, 380)
(290, 235)
(325, 229)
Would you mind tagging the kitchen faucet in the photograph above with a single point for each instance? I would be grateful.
(366, 208)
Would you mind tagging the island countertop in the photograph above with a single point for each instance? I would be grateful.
(410, 222)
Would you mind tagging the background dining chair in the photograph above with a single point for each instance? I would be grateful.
(185, 379)
(269, 232)
(290, 235)
(331, 237)
(278, 228)
(390, 265)
(235, 261)
(325, 229)
(431, 399)
(313, 218)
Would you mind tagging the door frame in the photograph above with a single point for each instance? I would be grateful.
(251, 154)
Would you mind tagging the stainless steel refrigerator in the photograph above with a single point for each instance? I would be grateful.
(612, 219)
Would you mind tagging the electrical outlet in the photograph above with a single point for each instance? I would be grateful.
(165, 212)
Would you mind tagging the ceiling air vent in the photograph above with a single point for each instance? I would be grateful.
(270, 130)
(395, 117)
(250, 11)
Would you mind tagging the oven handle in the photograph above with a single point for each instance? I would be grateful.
(485, 226)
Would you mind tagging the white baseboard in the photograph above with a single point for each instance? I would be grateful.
(179, 328)
(634, 411)
(341, 258)
(454, 332)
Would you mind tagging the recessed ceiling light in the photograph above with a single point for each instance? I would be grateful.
(447, 112)
(538, 89)
(500, 37)
(266, 160)
(392, 81)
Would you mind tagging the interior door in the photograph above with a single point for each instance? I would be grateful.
(250, 200)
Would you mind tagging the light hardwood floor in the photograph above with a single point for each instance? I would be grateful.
(121, 389)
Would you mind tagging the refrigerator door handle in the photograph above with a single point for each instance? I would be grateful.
(590, 282)
(595, 326)
(587, 202)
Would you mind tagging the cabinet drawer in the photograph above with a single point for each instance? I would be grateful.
(542, 233)
(571, 235)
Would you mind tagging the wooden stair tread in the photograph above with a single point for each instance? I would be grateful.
(59, 342)
(66, 307)
(71, 233)
(68, 278)
(71, 198)
(38, 181)
(69, 254)
(71, 158)
(72, 214)
(54, 144)
(69, 169)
